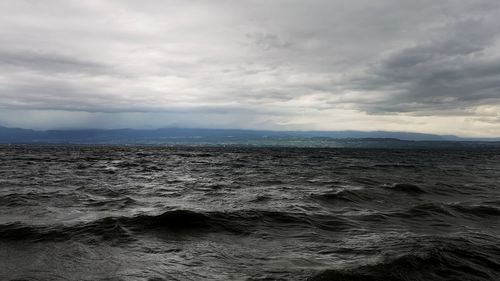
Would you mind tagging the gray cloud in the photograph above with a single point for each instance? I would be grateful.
(269, 41)
(385, 64)
(47, 63)
(453, 72)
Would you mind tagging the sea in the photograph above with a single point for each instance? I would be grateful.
(90, 212)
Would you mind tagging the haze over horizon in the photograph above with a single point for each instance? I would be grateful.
(12, 132)
(412, 66)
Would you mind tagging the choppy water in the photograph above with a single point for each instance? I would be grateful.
(151, 213)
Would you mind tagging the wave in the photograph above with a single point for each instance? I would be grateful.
(406, 166)
(444, 212)
(477, 210)
(451, 209)
(353, 196)
(440, 261)
(15, 200)
(367, 194)
(239, 222)
(406, 187)
(115, 203)
(106, 229)
(425, 210)
(193, 154)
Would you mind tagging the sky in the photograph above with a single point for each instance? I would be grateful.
(396, 65)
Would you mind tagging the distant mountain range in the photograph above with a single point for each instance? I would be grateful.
(218, 136)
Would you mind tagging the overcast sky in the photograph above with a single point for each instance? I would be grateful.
(422, 66)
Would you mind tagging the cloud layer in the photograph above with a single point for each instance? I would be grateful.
(428, 66)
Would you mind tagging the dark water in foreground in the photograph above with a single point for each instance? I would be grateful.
(132, 213)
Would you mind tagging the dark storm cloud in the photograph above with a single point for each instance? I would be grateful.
(448, 73)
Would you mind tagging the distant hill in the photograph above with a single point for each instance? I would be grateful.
(216, 136)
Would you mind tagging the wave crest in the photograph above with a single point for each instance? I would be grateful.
(444, 261)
